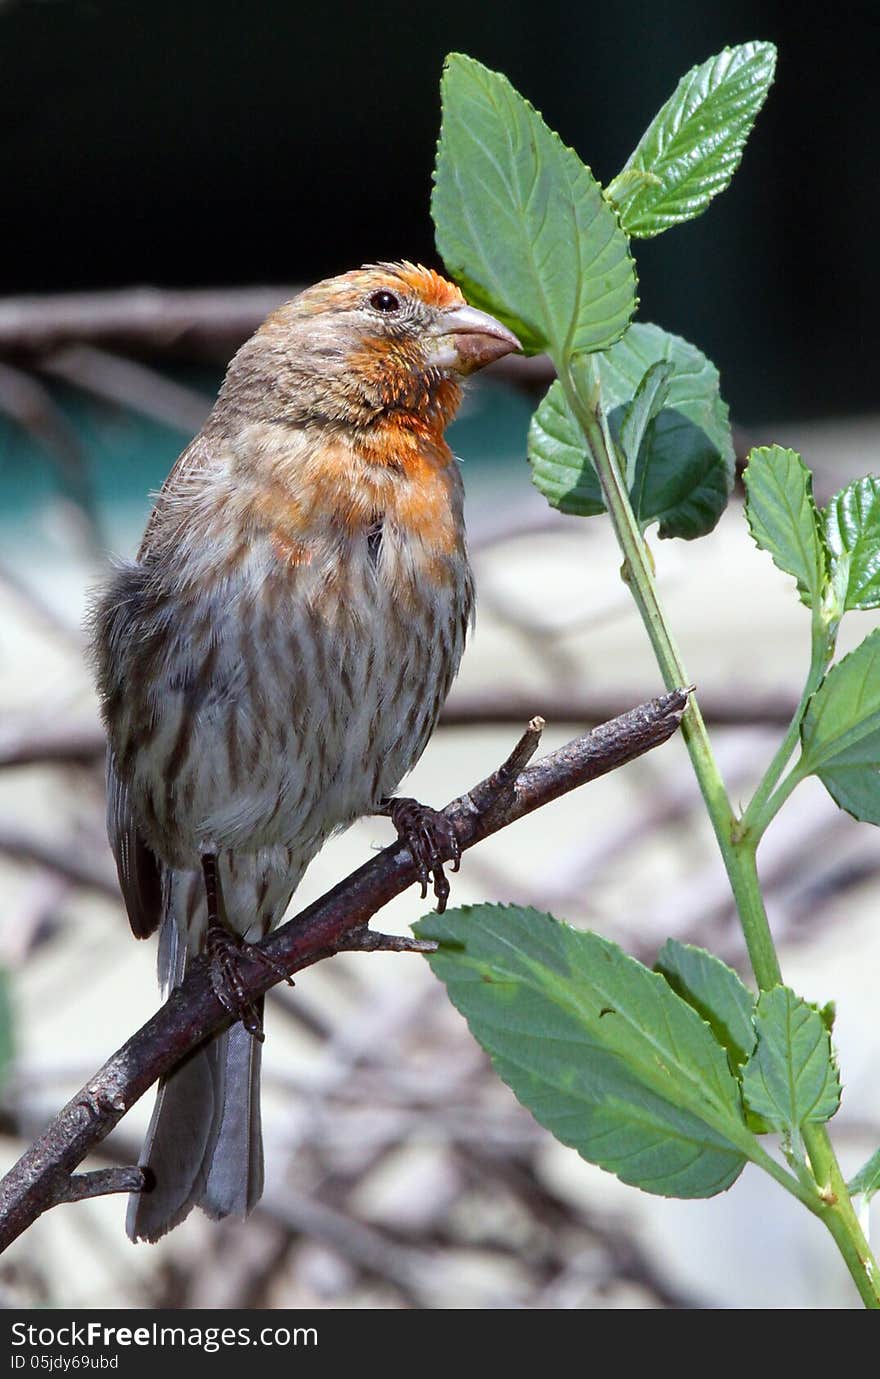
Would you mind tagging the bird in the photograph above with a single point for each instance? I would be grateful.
(273, 662)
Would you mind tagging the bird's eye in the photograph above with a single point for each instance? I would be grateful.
(385, 301)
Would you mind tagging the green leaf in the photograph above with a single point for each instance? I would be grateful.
(715, 992)
(867, 1181)
(599, 1048)
(791, 1079)
(694, 390)
(685, 471)
(680, 482)
(694, 145)
(638, 416)
(686, 467)
(624, 186)
(852, 531)
(783, 518)
(840, 733)
(561, 466)
(521, 224)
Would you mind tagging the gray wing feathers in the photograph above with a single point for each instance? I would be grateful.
(139, 870)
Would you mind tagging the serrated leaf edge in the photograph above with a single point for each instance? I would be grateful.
(814, 510)
(759, 49)
(468, 284)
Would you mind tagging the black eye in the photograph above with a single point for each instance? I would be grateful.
(385, 301)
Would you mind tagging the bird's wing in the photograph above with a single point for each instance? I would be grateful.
(139, 869)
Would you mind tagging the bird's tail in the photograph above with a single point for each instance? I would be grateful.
(204, 1145)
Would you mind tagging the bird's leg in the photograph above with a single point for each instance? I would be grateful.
(224, 956)
(225, 951)
(431, 840)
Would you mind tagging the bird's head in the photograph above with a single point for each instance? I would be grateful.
(389, 339)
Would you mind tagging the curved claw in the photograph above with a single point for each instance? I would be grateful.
(429, 836)
(225, 953)
(224, 958)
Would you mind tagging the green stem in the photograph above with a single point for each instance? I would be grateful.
(831, 1201)
(792, 1182)
(842, 1221)
(743, 874)
(641, 580)
(764, 804)
(756, 820)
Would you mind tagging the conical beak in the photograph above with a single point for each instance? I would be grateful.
(466, 339)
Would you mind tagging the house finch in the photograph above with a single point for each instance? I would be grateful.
(275, 659)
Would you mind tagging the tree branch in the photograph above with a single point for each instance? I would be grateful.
(726, 708)
(205, 322)
(127, 383)
(192, 1012)
(70, 863)
(83, 742)
(76, 1187)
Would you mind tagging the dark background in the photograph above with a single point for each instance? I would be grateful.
(210, 142)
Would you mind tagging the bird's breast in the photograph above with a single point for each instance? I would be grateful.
(395, 509)
(338, 666)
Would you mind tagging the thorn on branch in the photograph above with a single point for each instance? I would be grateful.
(490, 793)
(371, 941)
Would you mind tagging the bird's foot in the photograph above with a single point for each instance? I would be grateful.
(431, 840)
(226, 951)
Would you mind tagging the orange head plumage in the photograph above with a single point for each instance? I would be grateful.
(386, 342)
